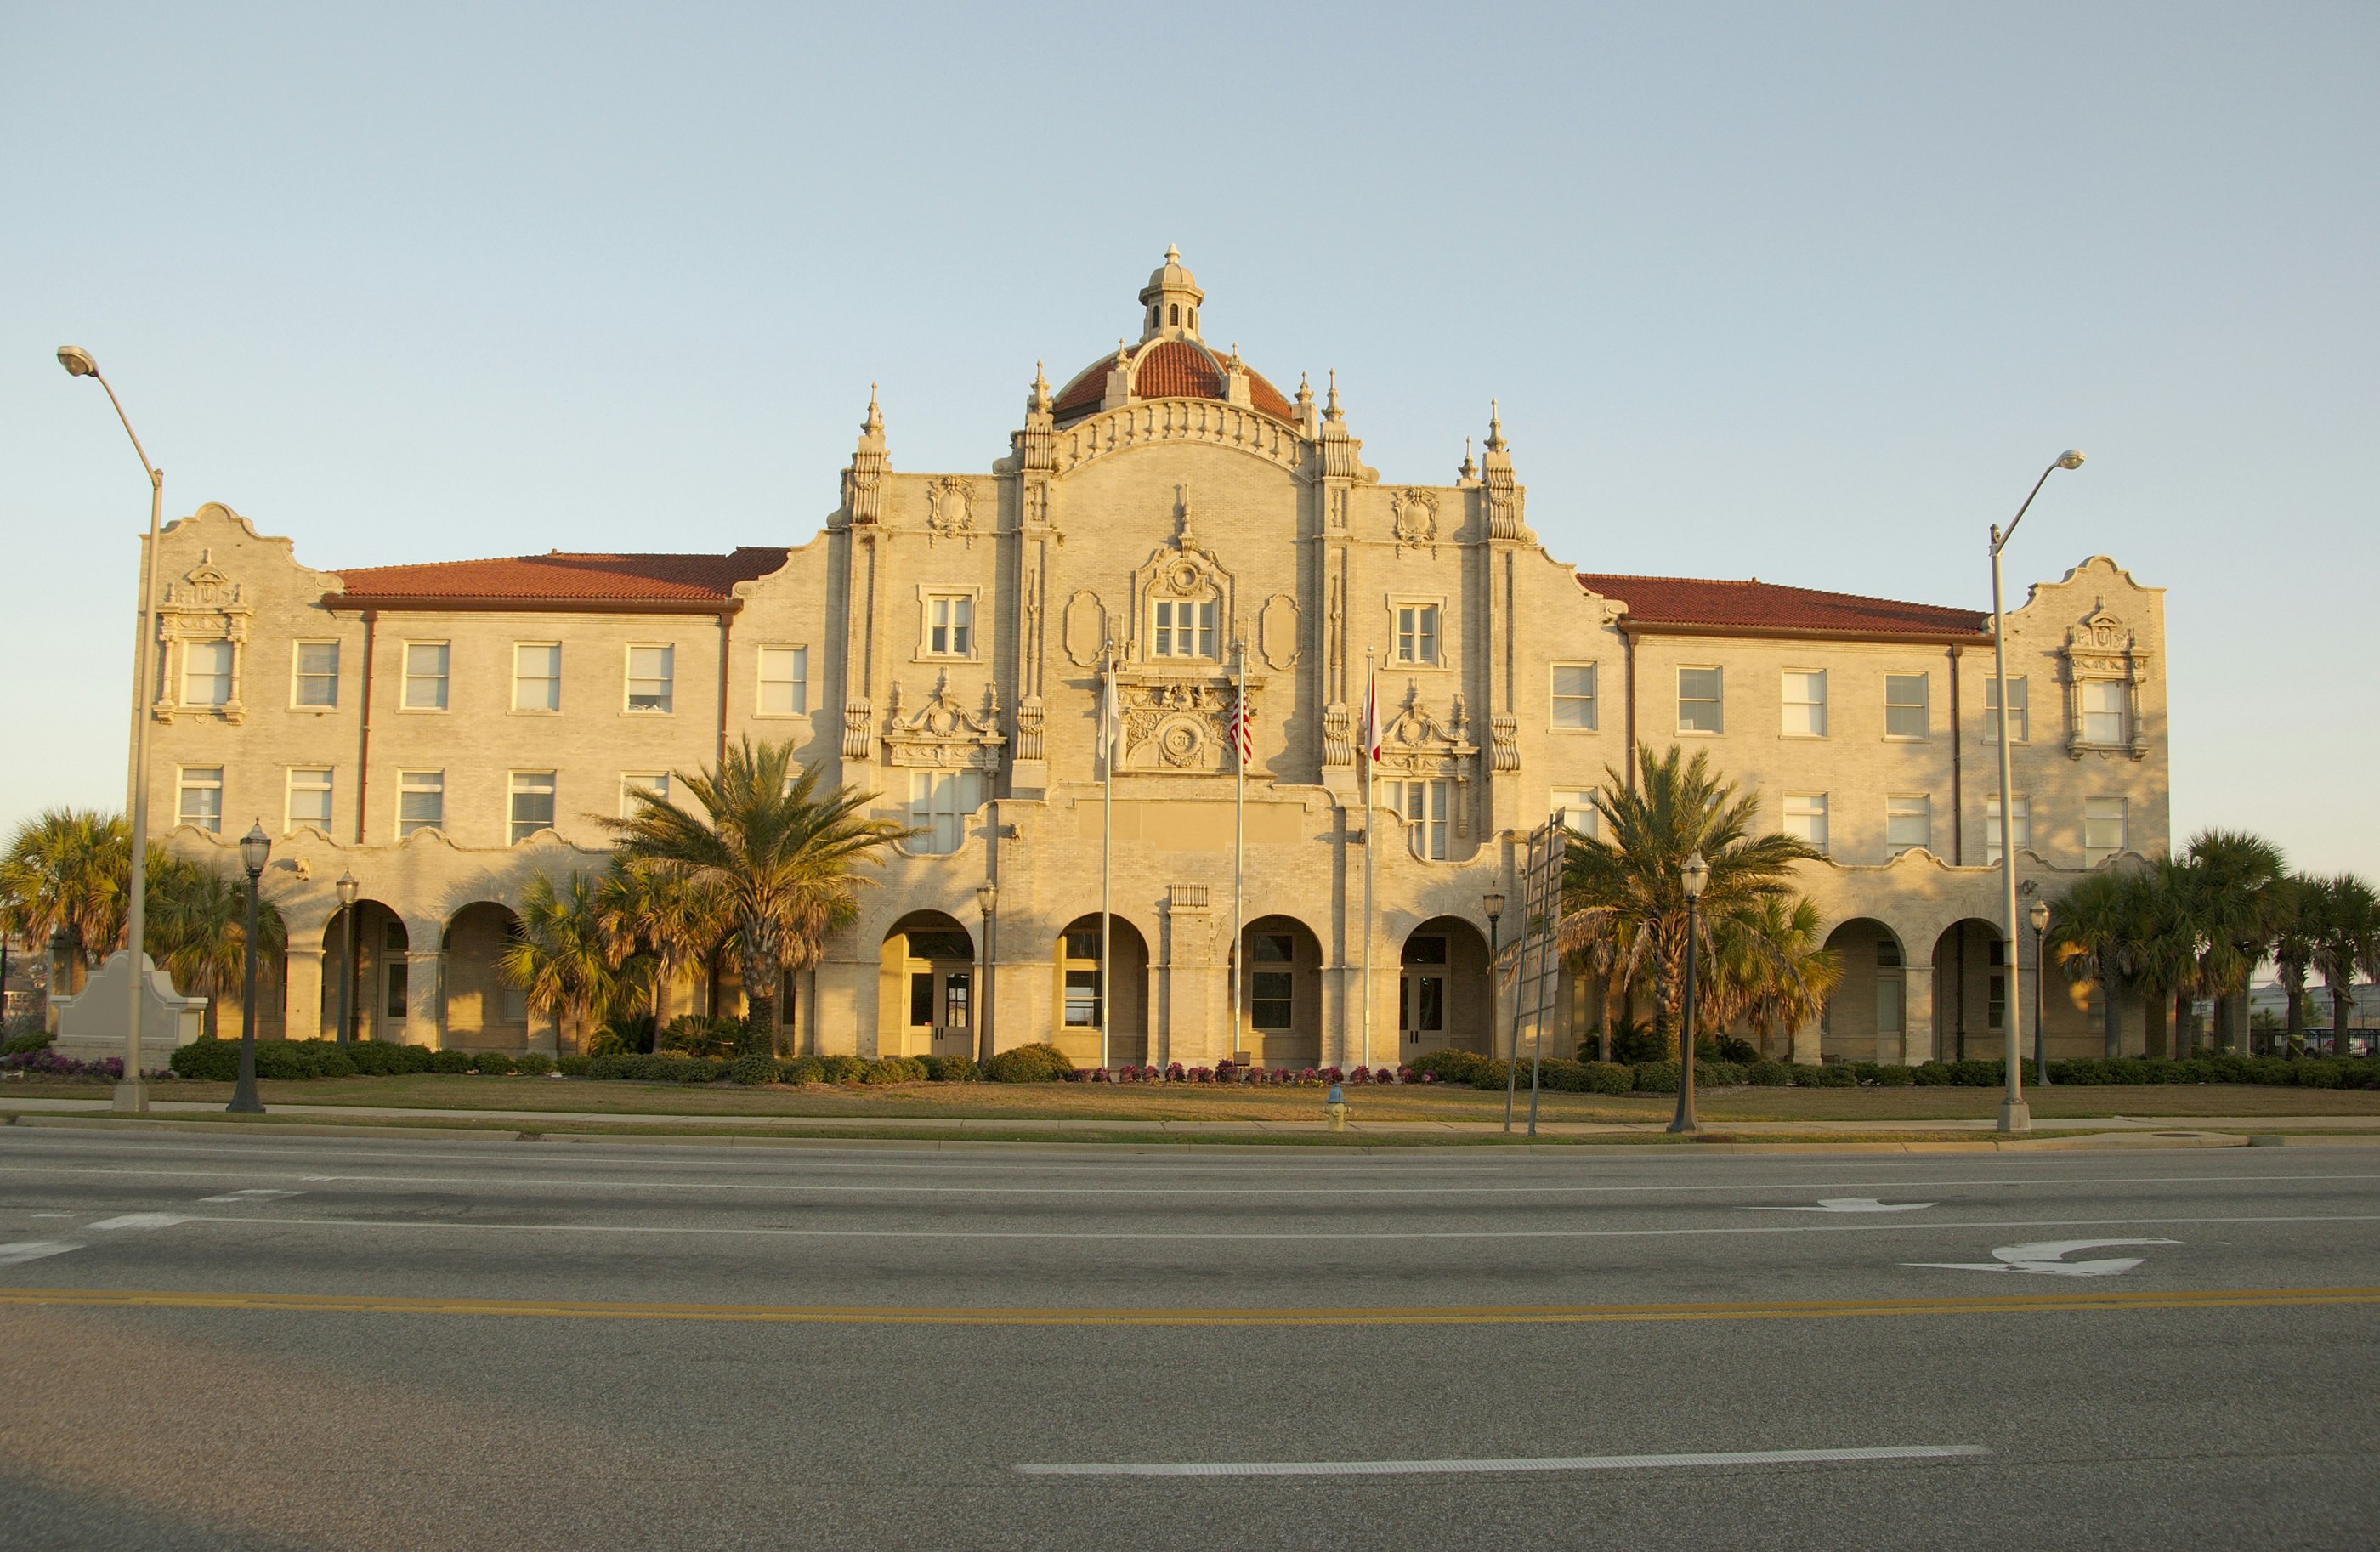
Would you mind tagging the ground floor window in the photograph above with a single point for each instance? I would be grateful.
(1081, 998)
(1270, 999)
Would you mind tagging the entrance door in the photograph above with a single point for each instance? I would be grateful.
(1421, 1000)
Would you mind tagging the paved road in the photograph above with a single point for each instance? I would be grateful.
(282, 1342)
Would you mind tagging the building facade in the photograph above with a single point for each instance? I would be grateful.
(445, 731)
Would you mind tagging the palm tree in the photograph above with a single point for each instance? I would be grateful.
(197, 927)
(1622, 888)
(1770, 967)
(2293, 952)
(659, 912)
(2235, 899)
(67, 869)
(781, 858)
(2100, 931)
(561, 957)
(2346, 932)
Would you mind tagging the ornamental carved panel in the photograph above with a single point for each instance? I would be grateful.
(1280, 626)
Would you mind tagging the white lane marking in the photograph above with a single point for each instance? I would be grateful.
(2049, 1258)
(142, 1221)
(253, 1194)
(33, 1250)
(1850, 1205)
(1302, 1236)
(1515, 1463)
(53, 1215)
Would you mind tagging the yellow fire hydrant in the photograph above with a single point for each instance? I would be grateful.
(1335, 1107)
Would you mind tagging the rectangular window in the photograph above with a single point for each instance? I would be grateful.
(421, 801)
(1906, 714)
(949, 626)
(1425, 1001)
(784, 681)
(537, 676)
(1806, 703)
(940, 802)
(921, 997)
(315, 676)
(1081, 998)
(206, 674)
(1574, 696)
(2103, 712)
(310, 798)
(1908, 821)
(1183, 628)
(1574, 807)
(1805, 817)
(1995, 989)
(651, 673)
(1417, 633)
(2020, 711)
(635, 785)
(1425, 808)
(956, 987)
(1270, 1001)
(2020, 825)
(1891, 1001)
(532, 804)
(2105, 826)
(1698, 700)
(425, 677)
(202, 797)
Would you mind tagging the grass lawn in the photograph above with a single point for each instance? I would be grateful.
(1178, 1102)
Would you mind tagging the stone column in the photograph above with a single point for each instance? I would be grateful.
(846, 999)
(1807, 1043)
(425, 996)
(303, 1015)
(1191, 1022)
(1917, 1014)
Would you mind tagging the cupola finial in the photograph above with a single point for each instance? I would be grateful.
(1494, 429)
(1467, 470)
(1040, 402)
(874, 424)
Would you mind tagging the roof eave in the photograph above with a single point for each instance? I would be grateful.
(432, 603)
(1806, 633)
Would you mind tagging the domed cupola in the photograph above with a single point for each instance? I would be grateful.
(1170, 300)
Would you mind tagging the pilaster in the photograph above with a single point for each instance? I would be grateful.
(304, 1016)
(425, 994)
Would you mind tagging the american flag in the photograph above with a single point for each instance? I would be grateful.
(1243, 735)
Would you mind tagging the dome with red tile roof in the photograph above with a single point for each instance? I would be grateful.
(1170, 362)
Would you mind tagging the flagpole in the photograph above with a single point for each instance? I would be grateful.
(1108, 740)
(1371, 845)
(1241, 738)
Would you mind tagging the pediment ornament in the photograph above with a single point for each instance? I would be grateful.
(950, 509)
(1416, 522)
(1417, 741)
(944, 732)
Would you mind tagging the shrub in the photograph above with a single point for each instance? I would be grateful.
(376, 1059)
(1932, 1074)
(695, 1035)
(532, 1064)
(449, 1062)
(801, 1070)
(494, 1064)
(1768, 1074)
(887, 1070)
(607, 1043)
(842, 1069)
(1657, 1077)
(1634, 1044)
(752, 1069)
(214, 1060)
(25, 1040)
(1720, 1074)
(574, 1066)
(1728, 1047)
(1451, 1065)
(1830, 1074)
(1894, 1076)
(1610, 1077)
(606, 1068)
(949, 1069)
(634, 1033)
(1039, 1062)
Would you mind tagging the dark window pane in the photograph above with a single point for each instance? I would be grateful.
(1425, 951)
(921, 998)
(1272, 948)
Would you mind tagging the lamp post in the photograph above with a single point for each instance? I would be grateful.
(2039, 916)
(348, 888)
(1695, 875)
(1492, 902)
(130, 1094)
(2014, 1115)
(987, 899)
(254, 848)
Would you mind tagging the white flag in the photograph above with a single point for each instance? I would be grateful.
(1372, 729)
(1111, 721)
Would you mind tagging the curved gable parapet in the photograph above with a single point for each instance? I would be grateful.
(2093, 571)
(217, 515)
(1152, 423)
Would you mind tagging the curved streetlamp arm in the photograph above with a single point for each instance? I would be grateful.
(2001, 536)
(156, 475)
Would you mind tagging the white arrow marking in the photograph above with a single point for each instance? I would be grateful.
(142, 1221)
(33, 1250)
(1850, 1203)
(2047, 1257)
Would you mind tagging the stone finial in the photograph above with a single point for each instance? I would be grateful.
(1467, 471)
(1123, 354)
(1331, 410)
(1040, 402)
(1304, 395)
(874, 425)
(1494, 429)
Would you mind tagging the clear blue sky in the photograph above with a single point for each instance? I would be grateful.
(1810, 296)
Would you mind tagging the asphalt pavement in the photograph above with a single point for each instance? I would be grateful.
(302, 1341)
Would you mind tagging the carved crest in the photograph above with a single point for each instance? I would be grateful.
(1417, 742)
(204, 586)
(950, 508)
(1415, 523)
(942, 732)
(1178, 725)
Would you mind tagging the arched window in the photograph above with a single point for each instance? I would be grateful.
(1174, 313)
(1152, 315)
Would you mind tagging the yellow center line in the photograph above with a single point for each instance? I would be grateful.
(1490, 1314)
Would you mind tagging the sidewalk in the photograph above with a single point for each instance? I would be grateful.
(2200, 1131)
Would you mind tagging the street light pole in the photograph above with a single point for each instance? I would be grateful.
(348, 888)
(987, 899)
(1695, 875)
(1492, 902)
(254, 848)
(2040, 917)
(131, 1093)
(2014, 1114)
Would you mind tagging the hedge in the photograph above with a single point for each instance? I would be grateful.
(218, 1060)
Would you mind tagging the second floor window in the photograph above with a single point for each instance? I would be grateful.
(2103, 712)
(309, 797)
(1417, 633)
(784, 681)
(1905, 712)
(636, 785)
(949, 626)
(650, 672)
(202, 798)
(421, 801)
(1908, 823)
(315, 680)
(1574, 696)
(2106, 827)
(2020, 825)
(425, 677)
(537, 676)
(206, 674)
(1806, 703)
(1805, 817)
(1698, 700)
(1426, 807)
(1182, 627)
(1575, 807)
(532, 804)
(2020, 707)
(940, 802)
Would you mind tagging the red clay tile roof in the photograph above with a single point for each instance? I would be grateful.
(558, 577)
(1767, 606)
(1173, 370)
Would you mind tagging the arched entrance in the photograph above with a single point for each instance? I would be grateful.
(1971, 990)
(484, 1010)
(1442, 990)
(1281, 997)
(925, 988)
(1867, 1017)
(1085, 996)
(376, 978)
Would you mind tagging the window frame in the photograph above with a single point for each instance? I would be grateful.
(406, 676)
(628, 706)
(1787, 704)
(2121, 692)
(1822, 813)
(1435, 819)
(438, 824)
(1426, 609)
(629, 781)
(2020, 711)
(929, 594)
(297, 675)
(1717, 702)
(513, 792)
(1593, 698)
(800, 653)
(553, 682)
(1922, 706)
(2123, 818)
(1925, 811)
(1558, 810)
(1166, 629)
(183, 786)
(2020, 825)
(291, 789)
(229, 677)
(959, 780)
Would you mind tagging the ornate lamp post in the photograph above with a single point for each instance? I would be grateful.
(131, 1095)
(987, 899)
(348, 888)
(254, 848)
(2014, 1115)
(2039, 916)
(1695, 875)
